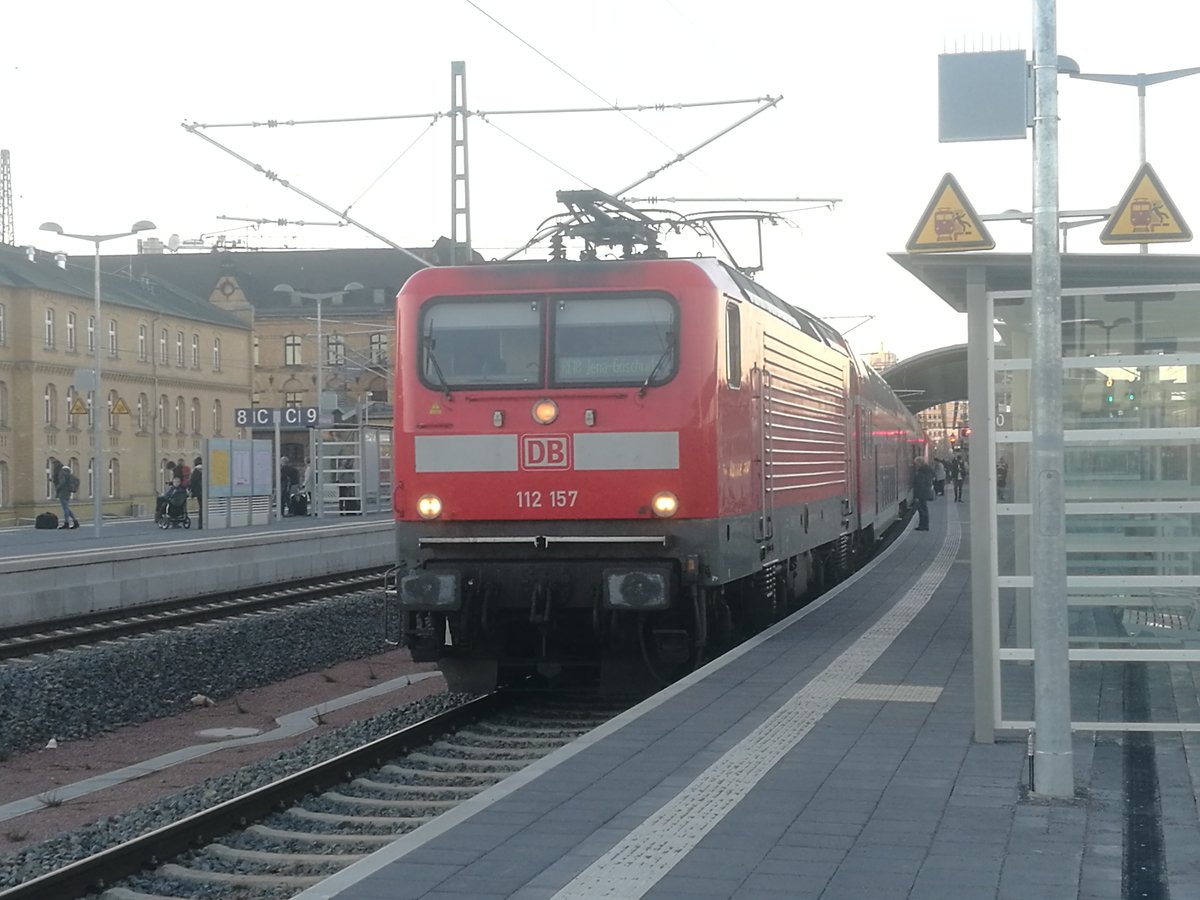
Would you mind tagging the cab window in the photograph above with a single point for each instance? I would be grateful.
(614, 340)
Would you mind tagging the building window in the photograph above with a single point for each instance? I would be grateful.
(49, 472)
(50, 405)
(291, 350)
(71, 332)
(179, 349)
(91, 334)
(162, 347)
(291, 399)
(180, 413)
(335, 350)
(114, 477)
(2, 340)
(255, 350)
(112, 404)
(216, 354)
(379, 347)
(3, 404)
(194, 417)
(216, 425)
(142, 343)
(91, 477)
(91, 405)
(49, 338)
(162, 412)
(143, 403)
(4, 498)
(195, 351)
(112, 337)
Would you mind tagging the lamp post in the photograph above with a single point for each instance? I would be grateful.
(319, 298)
(97, 450)
(1141, 81)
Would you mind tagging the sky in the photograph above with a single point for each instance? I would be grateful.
(94, 95)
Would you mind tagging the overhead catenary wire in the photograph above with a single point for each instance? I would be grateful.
(540, 155)
(273, 176)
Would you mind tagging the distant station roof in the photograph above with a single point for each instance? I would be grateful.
(947, 274)
(930, 379)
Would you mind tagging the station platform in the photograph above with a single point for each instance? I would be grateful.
(831, 757)
(60, 574)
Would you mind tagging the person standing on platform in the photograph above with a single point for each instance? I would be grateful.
(923, 492)
(288, 478)
(958, 474)
(65, 484)
(196, 489)
(182, 472)
(939, 477)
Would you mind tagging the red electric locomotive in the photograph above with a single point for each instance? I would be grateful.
(624, 463)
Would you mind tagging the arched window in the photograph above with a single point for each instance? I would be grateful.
(335, 350)
(3, 404)
(49, 334)
(71, 393)
(379, 347)
(2, 333)
(4, 498)
(143, 404)
(91, 334)
(114, 477)
(71, 332)
(162, 347)
(112, 403)
(194, 418)
(195, 351)
(49, 473)
(162, 413)
(217, 417)
(50, 405)
(179, 349)
(180, 413)
(216, 354)
(142, 334)
(112, 337)
(91, 405)
(291, 350)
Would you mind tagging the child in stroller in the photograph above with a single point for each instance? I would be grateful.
(171, 510)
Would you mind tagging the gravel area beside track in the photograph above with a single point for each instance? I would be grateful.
(72, 695)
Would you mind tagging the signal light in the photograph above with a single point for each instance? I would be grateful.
(1108, 398)
(966, 432)
(953, 438)
(1129, 396)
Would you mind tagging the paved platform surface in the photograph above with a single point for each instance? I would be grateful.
(831, 757)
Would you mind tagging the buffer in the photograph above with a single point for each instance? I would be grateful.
(949, 223)
(1146, 214)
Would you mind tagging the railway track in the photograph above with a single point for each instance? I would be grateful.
(333, 813)
(27, 641)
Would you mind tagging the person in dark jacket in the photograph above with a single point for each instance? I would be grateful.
(196, 489)
(923, 493)
(64, 486)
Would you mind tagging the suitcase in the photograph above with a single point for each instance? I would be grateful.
(46, 520)
(298, 505)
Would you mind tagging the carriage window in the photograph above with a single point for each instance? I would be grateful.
(614, 340)
(482, 343)
(733, 346)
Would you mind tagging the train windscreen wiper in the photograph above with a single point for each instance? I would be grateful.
(431, 357)
(658, 365)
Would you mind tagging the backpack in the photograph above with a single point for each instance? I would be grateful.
(74, 483)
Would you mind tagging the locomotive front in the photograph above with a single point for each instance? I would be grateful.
(552, 464)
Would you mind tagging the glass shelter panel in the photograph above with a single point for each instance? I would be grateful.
(1131, 467)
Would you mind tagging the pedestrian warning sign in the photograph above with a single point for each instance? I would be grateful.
(120, 408)
(949, 223)
(1145, 215)
(78, 408)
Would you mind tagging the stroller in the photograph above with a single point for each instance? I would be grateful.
(172, 508)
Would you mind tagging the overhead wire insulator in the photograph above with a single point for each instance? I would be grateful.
(558, 250)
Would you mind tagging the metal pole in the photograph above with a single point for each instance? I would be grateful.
(1052, 677)
(97, 450)
(1142, 248)
(320, 491)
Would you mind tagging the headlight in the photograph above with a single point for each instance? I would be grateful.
(429, 506)
(664, 504)
(545, 411)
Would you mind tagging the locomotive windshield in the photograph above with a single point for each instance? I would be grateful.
(594, 340)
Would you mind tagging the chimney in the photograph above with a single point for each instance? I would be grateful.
(60, 260)
(31, 253)
(150, 246)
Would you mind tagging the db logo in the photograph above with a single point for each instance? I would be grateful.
(545, 451)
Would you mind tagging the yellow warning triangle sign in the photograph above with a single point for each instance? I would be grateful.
(1145, 215)
(120, 408)
(949, 223)
(78, 408)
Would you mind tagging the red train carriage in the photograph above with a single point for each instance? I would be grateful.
(628, 460)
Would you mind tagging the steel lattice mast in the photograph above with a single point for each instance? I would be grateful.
(8, 233)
